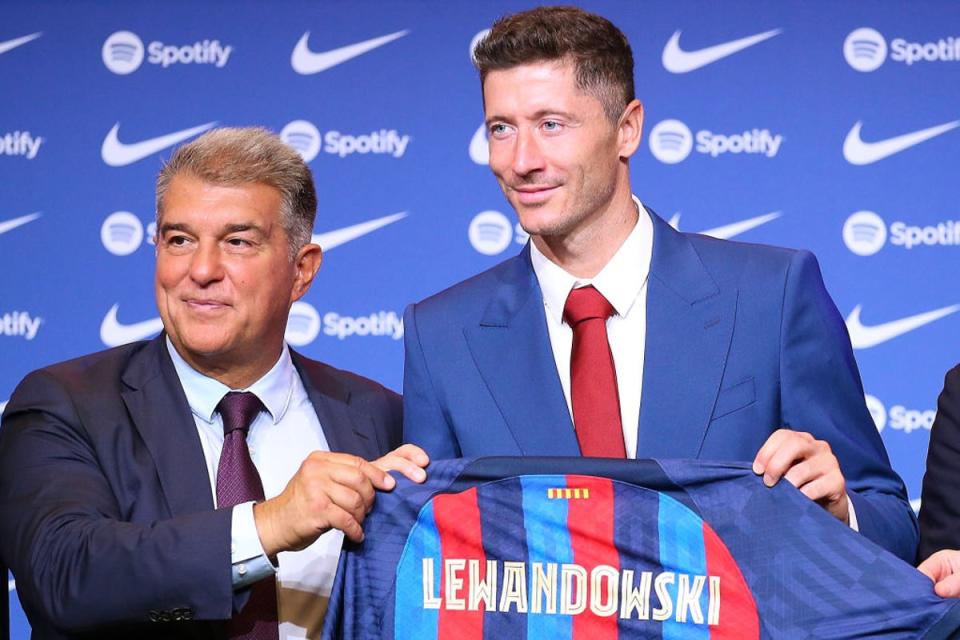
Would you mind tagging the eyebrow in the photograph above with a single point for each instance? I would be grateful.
(230, 228)
(537, 115)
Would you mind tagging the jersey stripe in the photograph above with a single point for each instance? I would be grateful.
(458, 521)
(681, 551)
(548, 540)
(501, 522)
(738, 612)
(590, 519)
(411, 619)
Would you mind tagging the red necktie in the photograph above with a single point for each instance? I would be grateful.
(239, 482)
(593, 379)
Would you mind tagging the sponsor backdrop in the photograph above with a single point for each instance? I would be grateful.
(826, 126)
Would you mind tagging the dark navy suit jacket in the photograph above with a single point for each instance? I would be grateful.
(741, 340)
(940, 504)
(106, 515)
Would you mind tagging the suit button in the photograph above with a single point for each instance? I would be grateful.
(242, 569)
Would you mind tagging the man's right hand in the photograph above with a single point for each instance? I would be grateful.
(329, 491)
(943, 568)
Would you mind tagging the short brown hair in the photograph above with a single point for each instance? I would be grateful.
(599, 50)
(236, 156)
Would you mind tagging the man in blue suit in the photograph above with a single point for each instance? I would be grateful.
(137, 498)
(713, 349)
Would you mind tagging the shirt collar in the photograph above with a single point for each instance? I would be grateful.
(620, 281)
(204, 393)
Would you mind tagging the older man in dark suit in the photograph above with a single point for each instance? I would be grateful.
(196, 485)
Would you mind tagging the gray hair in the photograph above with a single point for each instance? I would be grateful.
(237, 156)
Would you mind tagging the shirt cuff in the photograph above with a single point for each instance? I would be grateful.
(852, 515)
(249, 561)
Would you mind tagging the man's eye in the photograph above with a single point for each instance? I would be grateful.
(177, 241)
(238, 242)
(551, 125)
(498, 130)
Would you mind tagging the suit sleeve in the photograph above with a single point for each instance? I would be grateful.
(821, 393)
(77, 561)
(940, 504)
(424, 421)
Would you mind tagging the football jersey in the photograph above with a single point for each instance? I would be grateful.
(590, 549)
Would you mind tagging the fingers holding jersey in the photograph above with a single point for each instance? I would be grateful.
(943, 568)
(408, 459)
(329, 491)
(806, 463)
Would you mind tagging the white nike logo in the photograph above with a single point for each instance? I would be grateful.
(728, 231)
(118, 154)
(9, 225)
(479, 147)
(864, 337)
(330, 239)
(676, 60)
(16, 42)
(306, 62)
(113, 333)
(856, 151)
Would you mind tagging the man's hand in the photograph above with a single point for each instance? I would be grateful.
(943, 568)
(809, 465)
(408, 459)
(329, 491)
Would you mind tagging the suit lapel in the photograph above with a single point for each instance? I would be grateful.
(689, 327)
(159, 410)
(511, 348)
(346, 429)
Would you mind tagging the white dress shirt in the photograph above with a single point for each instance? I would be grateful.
(623, 282)
(279, 439)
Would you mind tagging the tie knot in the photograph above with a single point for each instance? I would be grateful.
(238, 409)
(586, 303)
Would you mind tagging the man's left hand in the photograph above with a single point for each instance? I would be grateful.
(809, 465)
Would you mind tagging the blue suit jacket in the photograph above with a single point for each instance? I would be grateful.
(106, 515)
(741, 340)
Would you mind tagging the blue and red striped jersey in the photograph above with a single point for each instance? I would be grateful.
(588, 549)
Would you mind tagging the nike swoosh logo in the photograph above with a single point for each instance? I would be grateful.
(864, 337)
(10, 225)
(118, 154)
(306, 62)
(728, 231)
(337, 237)
(856, 151)
(114, 334)
(479, 147)
(16, 42)
(676, 60)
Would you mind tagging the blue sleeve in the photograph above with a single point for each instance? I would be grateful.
(424, 421)
(821, 393)
(77, 561)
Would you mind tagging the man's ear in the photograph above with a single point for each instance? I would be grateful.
(630, 129)
(307, 265)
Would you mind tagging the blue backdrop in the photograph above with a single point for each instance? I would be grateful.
(822, 125)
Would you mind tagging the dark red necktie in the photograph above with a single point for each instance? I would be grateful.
(239, 482)
(593, 379)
